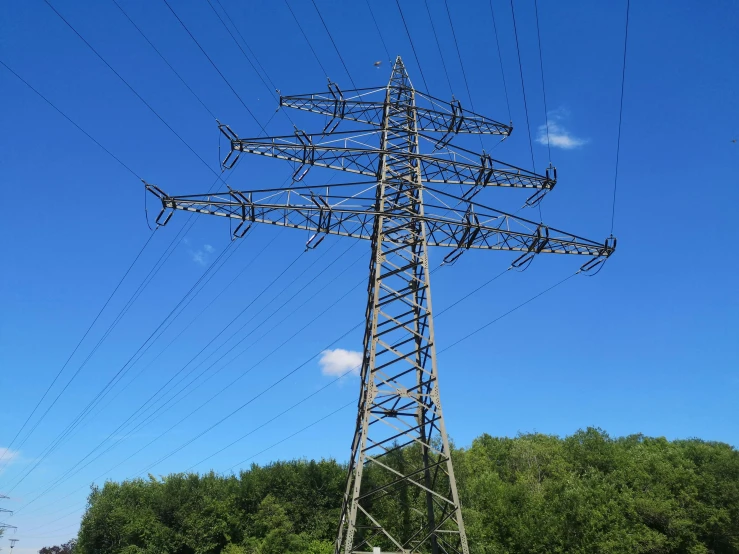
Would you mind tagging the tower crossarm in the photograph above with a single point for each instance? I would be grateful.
(350, 151)
(470, 226)
(357, 105)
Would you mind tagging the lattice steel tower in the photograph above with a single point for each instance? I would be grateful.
(400, 461)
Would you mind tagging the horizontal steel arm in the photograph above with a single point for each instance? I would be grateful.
(349, 152)
(442, 117)
(472, 226)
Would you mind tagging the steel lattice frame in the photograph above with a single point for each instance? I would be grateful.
(400, 458)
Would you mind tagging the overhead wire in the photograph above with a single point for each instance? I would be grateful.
(304, 364)
(75, 349)
(413, 48)
(133, 90)
(110, 67)
(525, 103)
(451, 346)
(296, 433)
(65, 116)
(500, 60)
(227, 387)
(307, 40)
(270, 90)
(56, 442)
(256, 58)
(330, 36)
(163, 386)
(225, 80)
(136, 258)
(461, 65)
(374, 20)
(438, 46)
(132, 299)
(620, 117)
(286, 341)
(131, 21)
(197, 316)
(459, 54)
(543, 86)
(456, 343)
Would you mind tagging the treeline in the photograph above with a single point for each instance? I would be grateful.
(587, 493)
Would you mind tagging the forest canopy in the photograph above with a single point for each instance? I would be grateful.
(587, 493)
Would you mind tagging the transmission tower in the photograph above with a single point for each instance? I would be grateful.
(3, 510)
(400, 458)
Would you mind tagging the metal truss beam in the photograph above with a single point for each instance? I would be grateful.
(348, 151)
(356, 105)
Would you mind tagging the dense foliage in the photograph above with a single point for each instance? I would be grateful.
(587, 493)
(66, 548)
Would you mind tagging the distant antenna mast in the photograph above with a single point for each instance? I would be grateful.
(401, 494)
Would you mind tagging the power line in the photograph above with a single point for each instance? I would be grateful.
(453, 345)
(316, 422)
(410, 39)
(202, 405)
(132, 90)
(215, 67)
(165, 60)
(297, 22)
(461, 64)
(256, 59)
(438, 45)
(45, 99)
(334, 43)
(142, 286)
(543, 87)
(65, 116)
(500, 59)
(234, 381)
(270, 90)
(186, 327)
(620, 117)
(57, 441)
(525, 104)
(374, 20)
(459, 54)
(304, 364)
(227, 387)
(122, 425)
(74, 351)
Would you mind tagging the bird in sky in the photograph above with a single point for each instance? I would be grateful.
(378, 64)
(733, 140)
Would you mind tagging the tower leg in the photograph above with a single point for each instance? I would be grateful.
(401, 494)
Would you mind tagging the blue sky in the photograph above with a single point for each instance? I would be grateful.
(647, 346)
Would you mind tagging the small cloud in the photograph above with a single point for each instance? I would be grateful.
(7, 457)
(202, 256)
(337, 362)
(559, 136)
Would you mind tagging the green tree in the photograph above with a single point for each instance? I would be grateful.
(534, 493)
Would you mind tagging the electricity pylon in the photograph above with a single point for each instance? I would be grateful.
(3, 510)
(400, 458)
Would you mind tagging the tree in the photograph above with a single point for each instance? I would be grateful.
(533, 493)
(66, 548)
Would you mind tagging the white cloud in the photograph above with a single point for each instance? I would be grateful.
(337, 362)
(201, 256)
(559, 136)
(8, 457)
